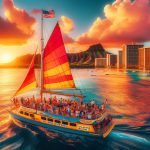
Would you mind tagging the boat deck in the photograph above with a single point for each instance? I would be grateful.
(52, 122)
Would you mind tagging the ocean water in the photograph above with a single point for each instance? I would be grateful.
(128, 94)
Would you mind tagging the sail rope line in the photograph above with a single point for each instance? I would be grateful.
(78, 82)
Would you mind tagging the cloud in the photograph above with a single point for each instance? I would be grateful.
(125, 21)
(17, 28)
(67, 39)
(67, 25)
(10, 34)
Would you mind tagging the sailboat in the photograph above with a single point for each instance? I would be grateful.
(53, 114)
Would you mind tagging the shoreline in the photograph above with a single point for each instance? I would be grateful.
(80, 67)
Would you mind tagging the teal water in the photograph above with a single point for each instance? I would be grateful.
(128, 94)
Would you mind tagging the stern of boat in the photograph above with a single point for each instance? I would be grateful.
(108, 129)
(104, 126)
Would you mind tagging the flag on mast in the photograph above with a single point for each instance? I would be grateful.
(48, 14)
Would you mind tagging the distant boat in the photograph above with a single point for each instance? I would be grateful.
(93, 75)
(134, 71)
(146, 74)
(56, 75)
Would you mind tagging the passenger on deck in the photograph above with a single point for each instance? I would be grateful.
(63, 107)
(92, 102)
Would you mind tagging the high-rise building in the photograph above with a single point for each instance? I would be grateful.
(111, 60)
(130, 56)
(100, 62)
(119, 59)
(144, 58)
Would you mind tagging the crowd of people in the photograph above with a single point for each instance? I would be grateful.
(64, 107)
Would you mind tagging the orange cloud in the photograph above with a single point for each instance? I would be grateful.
(67, 39)
(10, 34)
(67, 25)
(124, 22)
(17, 27)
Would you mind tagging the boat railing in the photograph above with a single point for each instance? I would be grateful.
(99, 116)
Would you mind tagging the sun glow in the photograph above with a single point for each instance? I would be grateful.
(5, 58)
(7, 14)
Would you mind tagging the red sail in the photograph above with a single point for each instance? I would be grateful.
(57, 72)
(29, 82)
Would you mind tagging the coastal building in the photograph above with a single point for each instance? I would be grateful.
(144, 58)
(130, 56)
(111, 60)
(100, 62)
(119, 59)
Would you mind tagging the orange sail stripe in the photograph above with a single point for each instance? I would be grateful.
(53, 63)
(57, 72)
(56, 79)
(30, 80)
(54, 55)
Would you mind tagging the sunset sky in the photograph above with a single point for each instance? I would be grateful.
(83, 22)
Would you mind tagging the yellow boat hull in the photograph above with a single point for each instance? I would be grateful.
(109, 130)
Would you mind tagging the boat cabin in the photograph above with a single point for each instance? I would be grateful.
(93, 126)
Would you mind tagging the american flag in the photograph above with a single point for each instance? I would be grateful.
(48, 14)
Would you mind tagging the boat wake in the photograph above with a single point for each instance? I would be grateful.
(131, 133)
(30, 137)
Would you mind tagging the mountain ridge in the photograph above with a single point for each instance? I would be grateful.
(79, 60)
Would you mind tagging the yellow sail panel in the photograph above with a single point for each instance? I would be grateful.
(60, 85)
(57, 72)
(27, 88)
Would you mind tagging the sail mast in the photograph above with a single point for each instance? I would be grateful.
(42, 44)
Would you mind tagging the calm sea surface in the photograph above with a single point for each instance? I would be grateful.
(128, 94)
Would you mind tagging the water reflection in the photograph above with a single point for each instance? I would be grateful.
(127, 99)
(10, 81)
(128, 95)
